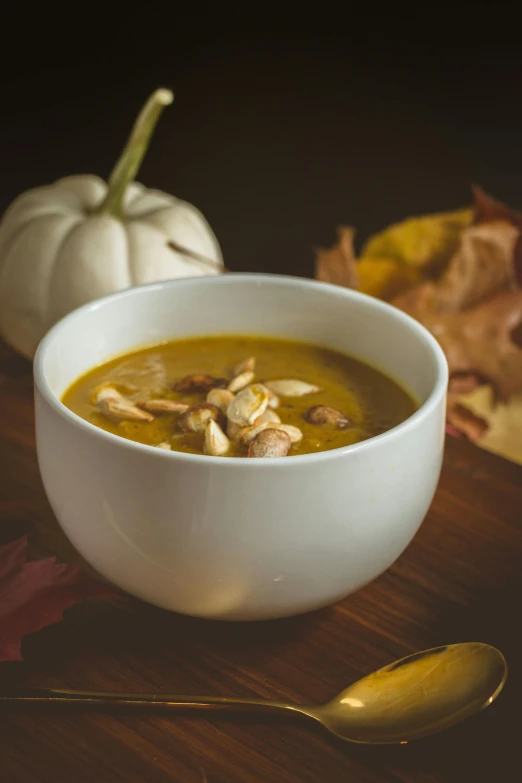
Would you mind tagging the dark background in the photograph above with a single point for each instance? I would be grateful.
(282, 128)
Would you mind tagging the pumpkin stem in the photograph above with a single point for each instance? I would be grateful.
(130, 160)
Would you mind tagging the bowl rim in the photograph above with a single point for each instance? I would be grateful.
(423, 411)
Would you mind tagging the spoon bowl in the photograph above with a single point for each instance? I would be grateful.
(416, 696)
(411, 698)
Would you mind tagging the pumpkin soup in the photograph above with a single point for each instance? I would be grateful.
(239, 397)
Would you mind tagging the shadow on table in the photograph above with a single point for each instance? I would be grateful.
(135, 639)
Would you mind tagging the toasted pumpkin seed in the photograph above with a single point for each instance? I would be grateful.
(323, 414)
(269, 416)
(220, 397)
(216, 442)
(163, 406)
(247, 365)
(273, 399)
(234, 431)
(294, 433)
(248, 405)
(241, 380)
(115, 406)
(247, 434)
(270, 443)
(197, 417)
(291, 388)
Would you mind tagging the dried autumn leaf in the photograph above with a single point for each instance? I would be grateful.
(475, 307)
(504, 422)
(488, 210)
(458, 273)
(463, 420)
(385, 278)
(453, 431)
(338, 264)
(462, 383)
(425, 242)
(481, 267)
(477, 341)
(35, 594)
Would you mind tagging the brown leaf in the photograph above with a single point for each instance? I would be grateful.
(475, 307)
(338, 264)
(462, 420)
(503, 435)
(476, 341)
(464, 382)
(419, 302)
(36, 593)
(453, 431)
(488, 209)
(481, 267)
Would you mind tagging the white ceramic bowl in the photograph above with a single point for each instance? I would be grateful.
(230, 538)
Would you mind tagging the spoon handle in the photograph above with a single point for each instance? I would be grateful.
(158, 700)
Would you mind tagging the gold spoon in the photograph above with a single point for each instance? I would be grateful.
(411, 698)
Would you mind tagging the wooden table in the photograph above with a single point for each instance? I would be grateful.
(461, 579)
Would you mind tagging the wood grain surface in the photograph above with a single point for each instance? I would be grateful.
(460, 580)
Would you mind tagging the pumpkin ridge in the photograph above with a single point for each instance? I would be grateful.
(5, 248)
(57, 254)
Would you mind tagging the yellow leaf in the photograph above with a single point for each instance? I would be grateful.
(385, 278)
(426, 242)
(503, 435)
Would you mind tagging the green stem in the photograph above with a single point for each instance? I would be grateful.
(130, 160)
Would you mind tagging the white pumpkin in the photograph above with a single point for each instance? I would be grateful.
(71, 242)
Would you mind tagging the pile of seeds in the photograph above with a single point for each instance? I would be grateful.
(237, 411)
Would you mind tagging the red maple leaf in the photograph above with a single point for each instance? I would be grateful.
(36, 593)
